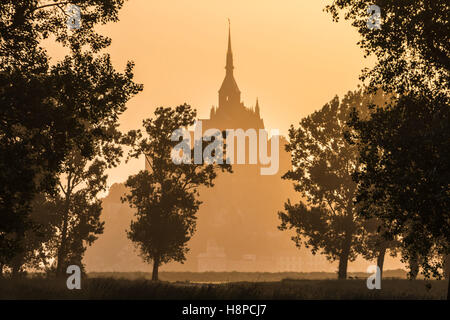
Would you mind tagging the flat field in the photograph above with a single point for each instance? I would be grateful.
(206, 286)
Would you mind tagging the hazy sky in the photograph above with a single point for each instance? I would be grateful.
(288, 53)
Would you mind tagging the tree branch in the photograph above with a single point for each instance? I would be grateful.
(62, 187)
(50, 5)
(331, 207)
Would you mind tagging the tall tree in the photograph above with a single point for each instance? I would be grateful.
(49, 110)
(67, 221)
(166, 196)
(404, 147)
(323, 162)
(34, 254)
(404, 151)
(77, 209)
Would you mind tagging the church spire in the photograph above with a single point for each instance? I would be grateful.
(229, 67)
(229, 94)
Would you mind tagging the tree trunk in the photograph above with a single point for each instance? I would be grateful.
(413, 268)
(448, 290)
(16, 265)
(380, 261)
(343, 262)
(343, 258)
(1, 270)
(62, 247)
(155, 269)
(447, 273)
(15, 271)
(447, 266)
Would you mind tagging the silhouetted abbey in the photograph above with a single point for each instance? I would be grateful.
(237, 225)
(237, 222)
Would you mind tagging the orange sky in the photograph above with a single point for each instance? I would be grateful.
(288, 53)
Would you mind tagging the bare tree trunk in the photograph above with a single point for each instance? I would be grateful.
(447, 266)
(343, 259)
(447, 273)
(16, 263)
(342, 271)
(413, 268)
(15, 271)
(380, 260)
(155, 269)
(62, 247)
(448, 290)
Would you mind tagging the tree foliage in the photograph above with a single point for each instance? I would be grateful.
(48, 110)
(166, 196)
(412, 47)
(77, 209)
(323, 162)
(404, 146)
(405, 152)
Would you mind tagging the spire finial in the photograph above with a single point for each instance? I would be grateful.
(229, 35)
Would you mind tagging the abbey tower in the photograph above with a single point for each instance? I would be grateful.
(231, 112)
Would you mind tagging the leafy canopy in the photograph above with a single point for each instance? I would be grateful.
(166, 195)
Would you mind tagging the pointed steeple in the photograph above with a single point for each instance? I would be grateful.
(229, 93)
(229, 67)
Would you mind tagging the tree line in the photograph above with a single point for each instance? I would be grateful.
(58, 131)
(372, 168)
(59, 134)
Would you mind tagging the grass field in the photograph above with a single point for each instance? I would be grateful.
(215, 277)
(141, 288)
